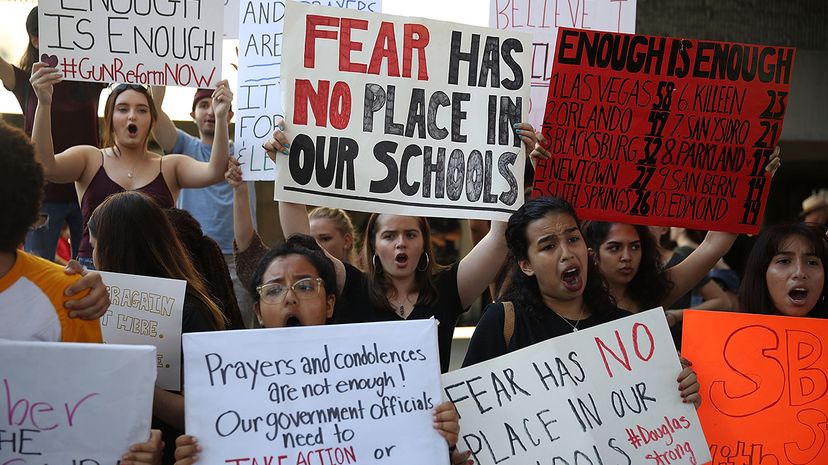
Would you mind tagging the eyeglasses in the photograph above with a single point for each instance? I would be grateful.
(274, 293)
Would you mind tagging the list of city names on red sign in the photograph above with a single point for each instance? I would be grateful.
(663, 131)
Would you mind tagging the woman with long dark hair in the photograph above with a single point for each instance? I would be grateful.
(125, 163)
(785, 272)
(131, 234)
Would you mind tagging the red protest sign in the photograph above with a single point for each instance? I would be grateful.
(662, 131)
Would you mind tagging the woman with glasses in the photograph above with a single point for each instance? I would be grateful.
(125, 163)
(131, 234)
(295, 285)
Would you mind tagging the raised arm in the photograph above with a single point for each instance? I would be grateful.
(692, 269)
(242, 218)
(191, 173)
(164, 131)
(7, 74)
(69, 165)
(481, 265)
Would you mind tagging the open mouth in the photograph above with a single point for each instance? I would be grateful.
(571, 279)
(292, 321)
(798, 295)
(401, 259)
(132, 128)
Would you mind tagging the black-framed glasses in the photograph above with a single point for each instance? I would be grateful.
(274, 293)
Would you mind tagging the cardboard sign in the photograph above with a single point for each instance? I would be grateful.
(402, 115)
(660, 131)
(258, 97)
(81, 404)
(543, 18)
(326, 394)
(170, 44)
(147, 310)
(765, 386)
(603, 395)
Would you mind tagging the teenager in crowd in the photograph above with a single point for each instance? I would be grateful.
(295, 285)
(402, 279)
(131, 234)
(74, 122)
(125, 163)
(785, 272)
(556, 287)
(333, 230)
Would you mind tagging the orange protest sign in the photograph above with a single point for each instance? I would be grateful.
(764, 386)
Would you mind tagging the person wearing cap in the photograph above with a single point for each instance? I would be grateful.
(815, 208)
(211, 206)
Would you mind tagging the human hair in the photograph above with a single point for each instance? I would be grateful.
(31, 55)
(297, 244)
(208, 261)
(650, 286)
(379, 285)
(107, 136)
(342, 222)
(754, 296)
(134, 236)
(523, 289)
(21, 187)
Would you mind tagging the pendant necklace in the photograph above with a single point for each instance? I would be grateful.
(574, 327)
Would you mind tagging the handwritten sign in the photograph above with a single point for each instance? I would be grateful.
(147, 310)
(660, 131)
(765, 386)
(402, 115)
(327, 394)
(81, 404)
(543, 18)
(260, 58)
(607, 394)
(174, 44)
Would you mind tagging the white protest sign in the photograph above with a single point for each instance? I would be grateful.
(542, 18)
(231, 19)
(326, 394)
(402, 115)
(147, 310)
(171, 44)
(603, 395)
(81, 404)
(258, 97)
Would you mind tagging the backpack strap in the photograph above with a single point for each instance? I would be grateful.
(508, 322)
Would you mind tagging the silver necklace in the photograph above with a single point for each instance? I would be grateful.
(575, 326)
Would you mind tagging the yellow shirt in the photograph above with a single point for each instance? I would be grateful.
(32, 304)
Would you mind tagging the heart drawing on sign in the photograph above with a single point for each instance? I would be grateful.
(51, 60)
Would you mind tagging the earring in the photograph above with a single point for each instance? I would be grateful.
(428, 262)
(377, 268)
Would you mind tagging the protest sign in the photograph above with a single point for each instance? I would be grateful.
(402, 115)
(174, 44)
(81, 404)
(543, 18)
(659, 131)
(147, 310)
(231, 19)
(764, 385)
(607, 394)
(318, 395)
(258, 97)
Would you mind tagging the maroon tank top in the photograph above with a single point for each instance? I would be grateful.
(102, 186)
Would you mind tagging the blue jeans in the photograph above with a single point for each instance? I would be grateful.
(43, 240)
(87, 262)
